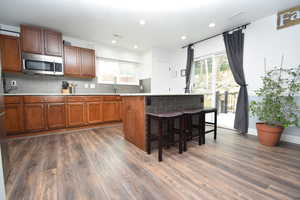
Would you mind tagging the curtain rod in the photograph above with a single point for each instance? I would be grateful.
(9, 31)
(199, 41)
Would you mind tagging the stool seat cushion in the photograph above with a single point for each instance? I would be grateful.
(166, 115)
(192, 111)
(208, 110)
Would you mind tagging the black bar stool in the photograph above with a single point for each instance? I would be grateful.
(161, 118)
(204, 112)
(188, 123)
(201, 123)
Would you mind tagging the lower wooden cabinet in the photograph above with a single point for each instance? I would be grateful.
(129, 125)
(41, 113)
(111, 111)
(94, 112)
(134, 120)
(76, 114)
(56, 115)
(14, 122)
(34, 117)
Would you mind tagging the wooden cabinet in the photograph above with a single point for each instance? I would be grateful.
(87, 62)
(76, 114)
(41, 113)
(134, 120)
(129, 125)
(41, 41)
(79, 62)
(53, 43)
(32, 39)
(34, 115)
(111, 111)
(72, 61)
(121, 110)
(56, 115)
(14, 122)
(94, 112)
(10, 53)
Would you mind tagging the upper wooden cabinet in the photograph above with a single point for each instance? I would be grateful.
(87, 62)
(32, 39)
(10, 53)
(79, 62)
(53, 43)
(72, 61)
(41, 41)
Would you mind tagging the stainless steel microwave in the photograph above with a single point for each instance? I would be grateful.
(42, 64)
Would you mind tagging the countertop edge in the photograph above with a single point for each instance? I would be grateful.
(99, 94)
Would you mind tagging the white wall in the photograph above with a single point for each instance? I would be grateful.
(11, 28)
(2, 187)
(263, 40)
(165, 70)
(146, 65)
(208, 47)
(176, 60)
(106, 51)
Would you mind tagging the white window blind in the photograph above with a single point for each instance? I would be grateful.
(117, 72)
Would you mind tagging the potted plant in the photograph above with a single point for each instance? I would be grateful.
(276, 107)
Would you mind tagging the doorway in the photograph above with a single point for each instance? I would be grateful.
(213, 78)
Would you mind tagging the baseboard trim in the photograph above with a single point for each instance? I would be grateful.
(285, 137)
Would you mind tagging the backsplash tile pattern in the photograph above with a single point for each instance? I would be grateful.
(52, 84)
(173, 103)
(160, 104)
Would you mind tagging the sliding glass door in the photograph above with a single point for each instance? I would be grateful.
(212, 77)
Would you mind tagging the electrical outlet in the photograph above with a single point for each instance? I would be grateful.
(86, 85)
(13, 83)
(92, 85)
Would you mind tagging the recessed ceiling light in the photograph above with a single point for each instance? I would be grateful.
(211, 25)
(183, 37)
(142, 22)
(135, 46)
(114, 41)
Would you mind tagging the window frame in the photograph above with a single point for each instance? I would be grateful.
(118, 74)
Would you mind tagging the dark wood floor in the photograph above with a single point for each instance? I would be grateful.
(100, 164)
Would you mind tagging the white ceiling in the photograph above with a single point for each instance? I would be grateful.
(166, 20)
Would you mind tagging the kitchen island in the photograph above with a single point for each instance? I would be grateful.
(135, 107)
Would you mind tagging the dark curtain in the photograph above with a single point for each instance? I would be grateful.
(189, 64)
(234, 44)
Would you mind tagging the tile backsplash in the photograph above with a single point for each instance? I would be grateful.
(52, 84)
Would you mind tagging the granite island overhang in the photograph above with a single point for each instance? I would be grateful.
(136, 106)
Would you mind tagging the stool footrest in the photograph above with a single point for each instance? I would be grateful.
(209, 131)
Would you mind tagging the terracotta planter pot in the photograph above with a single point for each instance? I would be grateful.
(269, 135)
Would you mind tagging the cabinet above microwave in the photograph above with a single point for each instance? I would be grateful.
(36, 40)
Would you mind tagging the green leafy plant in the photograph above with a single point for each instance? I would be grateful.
(276, 105)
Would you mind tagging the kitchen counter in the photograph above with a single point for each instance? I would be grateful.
(136, 107)
(60, 94)
(101, 94)
(158, 94)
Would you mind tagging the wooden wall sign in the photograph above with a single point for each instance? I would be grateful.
(288, 17)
